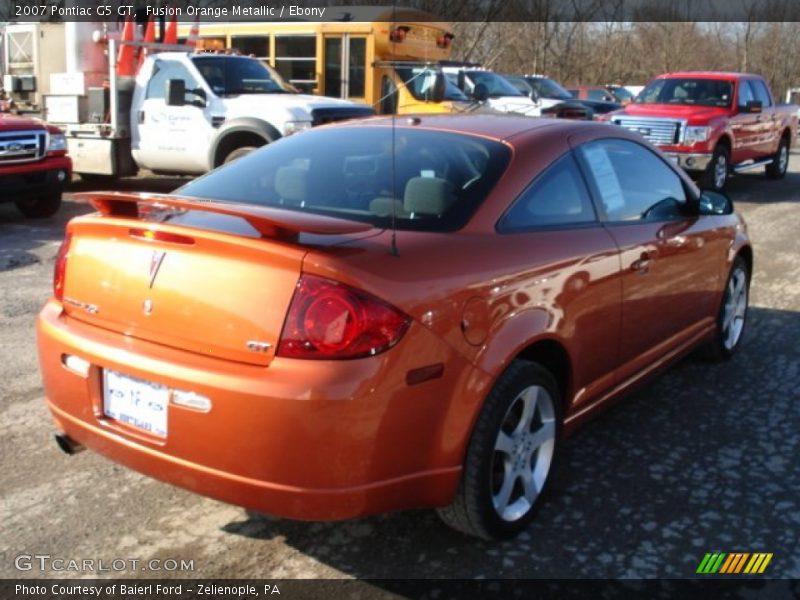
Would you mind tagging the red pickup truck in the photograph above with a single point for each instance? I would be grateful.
(34, 166)
(713, 124)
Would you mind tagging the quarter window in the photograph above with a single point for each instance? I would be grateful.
(633, 183)
(557, 197)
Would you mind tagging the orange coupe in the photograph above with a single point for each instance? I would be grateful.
(386, 314)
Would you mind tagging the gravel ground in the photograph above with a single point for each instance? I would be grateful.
(704, 459)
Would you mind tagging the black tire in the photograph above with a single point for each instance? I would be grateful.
(718, 170)
(780, 162)
(42, 206)
(474, 510)
(238, 153)
(720, 348)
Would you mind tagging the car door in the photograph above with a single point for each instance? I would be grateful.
(171, 138)
(745, 125)
(573, 271)
(668, 276)
(769, 126)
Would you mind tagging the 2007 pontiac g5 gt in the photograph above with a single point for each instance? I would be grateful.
(385, 314)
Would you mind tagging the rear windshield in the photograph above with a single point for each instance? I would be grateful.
(429, 180)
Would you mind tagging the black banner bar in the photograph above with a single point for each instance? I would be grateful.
(221, 11)
(436, 589)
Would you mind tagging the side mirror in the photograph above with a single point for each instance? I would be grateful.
(175, 92)
(480, 93)
(753, 106)
(714, 203)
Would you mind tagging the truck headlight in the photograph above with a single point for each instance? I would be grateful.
(694, 135)
(58, 142)
(291, 127)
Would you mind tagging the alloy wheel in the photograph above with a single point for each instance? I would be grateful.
(523, 453)
(735, 309)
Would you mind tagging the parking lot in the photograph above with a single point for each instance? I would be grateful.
(704, 459)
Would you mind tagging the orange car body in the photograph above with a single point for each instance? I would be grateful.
(333, 439)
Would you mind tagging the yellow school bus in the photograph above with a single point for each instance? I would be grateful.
(389, 61)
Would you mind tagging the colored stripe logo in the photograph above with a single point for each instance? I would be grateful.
(734, 563)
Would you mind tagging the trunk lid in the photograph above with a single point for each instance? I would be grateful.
(207, 288)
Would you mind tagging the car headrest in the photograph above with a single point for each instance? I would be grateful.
(428, 196)
(291, 184)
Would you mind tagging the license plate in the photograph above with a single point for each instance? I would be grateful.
(140, 404)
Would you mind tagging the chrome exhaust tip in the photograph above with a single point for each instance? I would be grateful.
(68, 445)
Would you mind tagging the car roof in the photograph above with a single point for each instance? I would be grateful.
(708, 75)
(498, 127)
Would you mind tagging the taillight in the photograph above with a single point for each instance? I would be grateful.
(330, 320)
(60, 269)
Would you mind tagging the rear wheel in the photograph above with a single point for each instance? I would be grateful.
(732, 314)
(40, 207)
(716, 175)
(780, 162)
(510, 455)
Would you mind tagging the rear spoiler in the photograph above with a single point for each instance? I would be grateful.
(268, 221)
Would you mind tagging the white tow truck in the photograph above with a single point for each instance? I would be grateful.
(184, 112)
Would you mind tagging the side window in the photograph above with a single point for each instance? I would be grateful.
(162, 72)
(633, 182)
(745, 93)
(598, 95)
(557, 197)
(761, 92)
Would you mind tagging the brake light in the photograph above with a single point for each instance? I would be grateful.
(330, 320)
(60, 269)
(161, 236)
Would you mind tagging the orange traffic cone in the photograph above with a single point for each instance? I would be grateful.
(194, 35)
(149, 38)
(171, 35)
(127, 53)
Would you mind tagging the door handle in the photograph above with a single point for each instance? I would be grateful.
(141, 116)
(642, 264)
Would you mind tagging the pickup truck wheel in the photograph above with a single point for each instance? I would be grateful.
(510, 455)
(40, 207)
(716, 176)
(238, 153)
(780, 162)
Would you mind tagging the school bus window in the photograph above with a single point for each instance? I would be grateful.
(257, 45)
(295, 59)
(357, 67)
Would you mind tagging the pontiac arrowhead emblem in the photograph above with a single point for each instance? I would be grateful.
(155, 264)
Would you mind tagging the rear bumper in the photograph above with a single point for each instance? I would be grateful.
(690, 161)
(299, 439)
(32, 179)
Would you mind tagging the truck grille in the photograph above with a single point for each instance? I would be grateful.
(657, 131)
(22, 146)
(321, 116)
